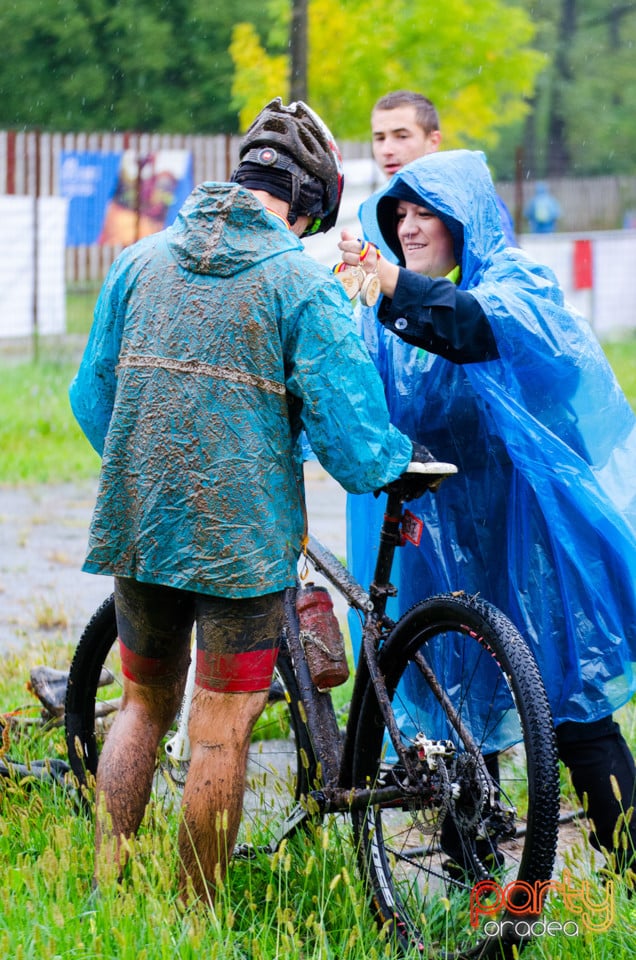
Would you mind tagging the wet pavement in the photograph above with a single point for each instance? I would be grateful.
(44, 595)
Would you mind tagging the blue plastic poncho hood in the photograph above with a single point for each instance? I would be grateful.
(542, 519)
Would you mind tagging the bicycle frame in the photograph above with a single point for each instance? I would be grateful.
(336, 792)
(414, 798)
(321, 718)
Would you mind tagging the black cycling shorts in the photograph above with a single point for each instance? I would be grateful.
(237, 640)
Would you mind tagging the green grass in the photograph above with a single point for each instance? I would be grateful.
(306, 902)
(42, 443)
(622, 356)
(40, 439)
(80, 303)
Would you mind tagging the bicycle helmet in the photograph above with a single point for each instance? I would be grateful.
(293, 138)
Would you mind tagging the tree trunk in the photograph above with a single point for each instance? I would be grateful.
(558, 159)
(298, 50)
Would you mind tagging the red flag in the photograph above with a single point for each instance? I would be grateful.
(583, 265)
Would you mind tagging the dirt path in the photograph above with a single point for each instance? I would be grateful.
(43, 592)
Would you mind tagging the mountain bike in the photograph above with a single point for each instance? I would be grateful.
(446, 767)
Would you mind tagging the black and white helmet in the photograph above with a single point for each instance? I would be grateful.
(294, 138)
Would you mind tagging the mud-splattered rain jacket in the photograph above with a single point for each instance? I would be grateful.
(541, 519)
(214, 342)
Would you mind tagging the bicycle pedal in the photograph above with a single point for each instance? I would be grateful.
(244, 851)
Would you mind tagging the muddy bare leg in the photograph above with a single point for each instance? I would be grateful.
(220, 729)
(127, 765)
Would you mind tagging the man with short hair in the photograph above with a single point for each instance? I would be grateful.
(404, 127)
(214, 343)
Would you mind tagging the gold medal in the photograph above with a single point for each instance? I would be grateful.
(356, 281)
(350, 282)
(370, 290)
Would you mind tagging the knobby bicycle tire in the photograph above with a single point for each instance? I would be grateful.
(281, 762)
(421, 861)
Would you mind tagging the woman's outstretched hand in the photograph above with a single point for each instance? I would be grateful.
(361, 262)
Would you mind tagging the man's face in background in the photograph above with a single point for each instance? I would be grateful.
(398, 138)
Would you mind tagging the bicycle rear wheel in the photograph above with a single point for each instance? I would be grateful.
(472, 711)
(281, 762)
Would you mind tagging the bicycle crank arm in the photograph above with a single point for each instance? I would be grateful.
(178, 747)
(292, 822)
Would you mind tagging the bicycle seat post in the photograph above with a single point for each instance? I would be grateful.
(390, 538)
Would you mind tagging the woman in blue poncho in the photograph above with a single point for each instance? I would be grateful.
(483, 362)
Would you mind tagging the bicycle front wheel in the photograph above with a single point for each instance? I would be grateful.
(483, 804)
(281, 763)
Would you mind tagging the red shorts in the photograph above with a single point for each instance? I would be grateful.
(237, 640)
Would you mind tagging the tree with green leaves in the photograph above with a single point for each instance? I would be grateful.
(581, 120)
(84, 65)
(475, 61)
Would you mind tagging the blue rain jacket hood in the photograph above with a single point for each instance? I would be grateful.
(541, 519)
(214, 342)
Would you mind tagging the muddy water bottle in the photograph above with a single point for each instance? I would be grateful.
(321, 637)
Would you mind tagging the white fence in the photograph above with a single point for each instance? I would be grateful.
(27, 305)
(610, 302)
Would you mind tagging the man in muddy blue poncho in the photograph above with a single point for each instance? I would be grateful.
(482, 360)
(214, 343)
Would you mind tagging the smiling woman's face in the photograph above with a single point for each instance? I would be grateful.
(426, 243)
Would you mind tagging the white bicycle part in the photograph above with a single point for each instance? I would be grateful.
(178, 747)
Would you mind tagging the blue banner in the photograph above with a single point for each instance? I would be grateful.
(117, 198)
(88, 181)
